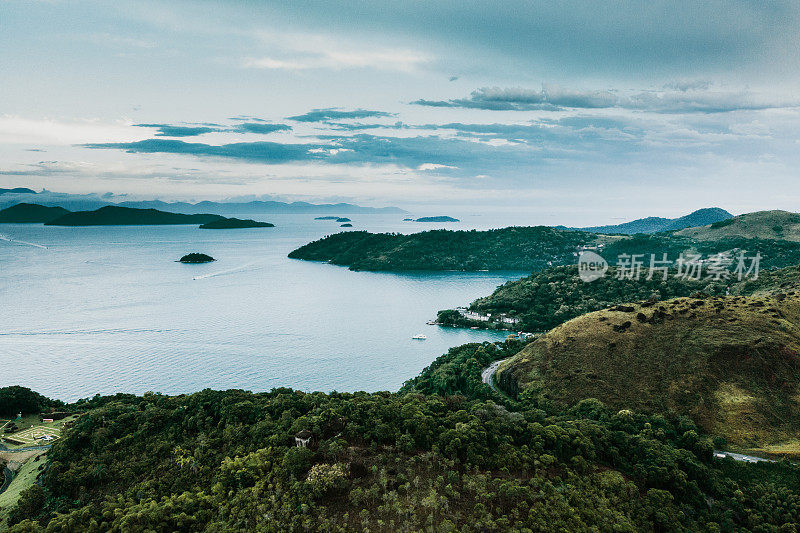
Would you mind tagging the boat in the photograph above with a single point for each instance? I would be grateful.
(419, 337)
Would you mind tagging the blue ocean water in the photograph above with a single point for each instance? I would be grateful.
(107, 309)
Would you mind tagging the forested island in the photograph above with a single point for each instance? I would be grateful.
(196, 257)
(235, 223)
(437, 219)
(128, 216)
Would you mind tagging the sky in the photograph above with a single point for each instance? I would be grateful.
(583, 111)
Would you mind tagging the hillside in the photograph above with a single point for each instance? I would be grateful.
(701, 217)
(732, 364)
(30, 213)
(126, 216)
(515, 248)
(778, 225)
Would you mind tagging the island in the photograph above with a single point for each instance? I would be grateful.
(235, 223)
(30, 213)
(408, 220)
(327, 218)
(346, 225)
(128, 216)
(196, 257)
(437, 219)
(343, 219)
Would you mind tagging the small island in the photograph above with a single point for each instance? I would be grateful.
(408, 220)
(437, 219)
(327, 218)
(343, 219)
(196, 258)
(346, 225)
(234, 223)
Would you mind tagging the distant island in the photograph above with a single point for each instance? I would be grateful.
(127, 216)
(327, 218)
(30, 214)
(235, 223)
(343, 219)
(437, 219)
(196, 258)
(346, 225)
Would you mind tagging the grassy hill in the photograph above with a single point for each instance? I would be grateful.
(732, 364)
(779, 225)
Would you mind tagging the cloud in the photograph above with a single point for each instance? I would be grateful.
(679, 98)
(168, 130)
(264, 152)
(258, 127)
(331, 113)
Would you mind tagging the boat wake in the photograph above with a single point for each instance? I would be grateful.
(224, 272)
(15, 241)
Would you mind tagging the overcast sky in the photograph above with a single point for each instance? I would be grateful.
(620, 109)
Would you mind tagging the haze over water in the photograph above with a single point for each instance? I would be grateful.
(92, 310)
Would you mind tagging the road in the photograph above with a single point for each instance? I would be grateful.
(487, 376)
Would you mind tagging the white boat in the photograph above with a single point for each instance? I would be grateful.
(419, 337)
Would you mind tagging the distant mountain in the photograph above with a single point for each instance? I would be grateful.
(30, 213)
(17, 190)
(259, 206)
(776, 225)
(88, 202)
(126, 216)
(701, 217)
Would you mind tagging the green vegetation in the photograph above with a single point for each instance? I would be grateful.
(780, 225)
(235, 223)
(23, 480)
(731, 364)
(196, 257)
(30, 213)
(16, 399)
(227, 461)
(128, 216)
(516, 248)
(546, 299)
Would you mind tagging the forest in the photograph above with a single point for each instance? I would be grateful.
(445, 453)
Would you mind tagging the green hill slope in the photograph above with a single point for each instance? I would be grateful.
(732, 364)
(779, 225)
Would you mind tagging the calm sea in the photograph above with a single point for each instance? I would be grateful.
(107, 309)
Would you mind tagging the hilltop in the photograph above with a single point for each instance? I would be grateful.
(127, 216)
(731, 364)
(701, 217)
(777, 225)
(31, 213)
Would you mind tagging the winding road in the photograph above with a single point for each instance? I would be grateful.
(487, 375)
